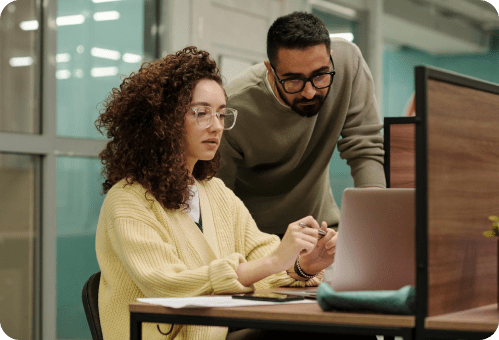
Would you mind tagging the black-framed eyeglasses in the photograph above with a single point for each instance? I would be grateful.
(295, 85)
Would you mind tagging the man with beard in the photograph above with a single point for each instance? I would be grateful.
(293, 108)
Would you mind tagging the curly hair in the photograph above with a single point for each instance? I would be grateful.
(144, 120)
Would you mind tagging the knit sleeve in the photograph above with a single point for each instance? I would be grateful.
(362, 143)
(258, 244)
(155, 266)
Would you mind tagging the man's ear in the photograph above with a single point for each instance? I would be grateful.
(331, 52)
(269, 69)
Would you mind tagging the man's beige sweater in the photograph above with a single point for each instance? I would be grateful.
(277, 162)
(144, 250)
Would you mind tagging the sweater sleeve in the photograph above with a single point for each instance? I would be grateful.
(258, 244)
(154, 265)
(362, 143)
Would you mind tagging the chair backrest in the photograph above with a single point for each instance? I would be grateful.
(90, 297)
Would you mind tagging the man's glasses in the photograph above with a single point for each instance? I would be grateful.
(319, 81)
(204, 116)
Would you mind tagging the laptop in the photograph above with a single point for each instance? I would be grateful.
(375, 249)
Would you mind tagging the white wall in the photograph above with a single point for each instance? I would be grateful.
(233, 31)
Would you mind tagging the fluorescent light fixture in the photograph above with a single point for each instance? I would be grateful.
(346, 36)
(106, 54)
(63, 57)
(104, 71)
(132, 58)
(77, 19)
(63, 74)
(106, 16)
(20, 61)
(100, 1)
(29, 25)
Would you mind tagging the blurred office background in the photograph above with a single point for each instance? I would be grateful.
(61, 58)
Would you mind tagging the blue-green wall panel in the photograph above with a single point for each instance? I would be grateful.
(79, 198)
(79, 95)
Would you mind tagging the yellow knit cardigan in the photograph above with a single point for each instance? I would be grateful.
(144, 250)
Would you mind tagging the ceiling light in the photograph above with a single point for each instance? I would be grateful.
(132, 58)
(30, 25)
(347, 36)
(104, 71)
(62, 57)
(104, 53)
(106, 16)
(20, 61)
(70, 20)
(63, 74)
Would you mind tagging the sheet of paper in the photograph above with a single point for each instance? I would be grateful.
(211, 301)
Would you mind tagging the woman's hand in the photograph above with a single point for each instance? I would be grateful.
(297, 240)
(322, 255)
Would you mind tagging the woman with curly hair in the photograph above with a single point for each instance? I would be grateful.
(167, 227)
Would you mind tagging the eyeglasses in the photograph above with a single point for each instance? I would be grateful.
(204, 116)
(295, 85)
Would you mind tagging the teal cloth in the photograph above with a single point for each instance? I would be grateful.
(400, 301)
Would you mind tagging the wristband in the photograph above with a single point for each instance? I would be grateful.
(300, 271)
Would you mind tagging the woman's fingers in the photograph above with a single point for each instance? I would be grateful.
(331, 242)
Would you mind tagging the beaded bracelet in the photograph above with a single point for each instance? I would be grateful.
(300, 271)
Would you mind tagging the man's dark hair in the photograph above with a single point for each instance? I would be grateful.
(297, 30)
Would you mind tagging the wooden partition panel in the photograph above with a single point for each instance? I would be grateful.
(400, 158)
(462, 150)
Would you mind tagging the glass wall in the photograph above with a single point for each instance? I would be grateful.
(78, 205)
(17, 244)
(98, 42)
(18, 114)
(52, 198)
(18, 32)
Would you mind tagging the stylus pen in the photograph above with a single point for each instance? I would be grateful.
(321, 232)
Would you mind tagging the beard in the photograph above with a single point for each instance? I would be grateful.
(303, 106)
(307, 108)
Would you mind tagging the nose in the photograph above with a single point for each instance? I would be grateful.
(216, 125)
(308, 91)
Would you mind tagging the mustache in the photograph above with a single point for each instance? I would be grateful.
(316, 98)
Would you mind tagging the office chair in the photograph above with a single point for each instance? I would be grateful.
(90, 297)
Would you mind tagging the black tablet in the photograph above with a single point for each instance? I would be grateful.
(273, 297)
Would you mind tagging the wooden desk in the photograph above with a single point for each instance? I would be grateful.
(476, 323)
(291, 317)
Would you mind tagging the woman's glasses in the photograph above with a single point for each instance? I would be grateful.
(204, 116)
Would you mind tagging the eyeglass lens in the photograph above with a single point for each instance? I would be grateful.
(319, 81)
(205, 116)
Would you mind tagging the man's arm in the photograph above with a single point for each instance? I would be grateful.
(362, 142)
